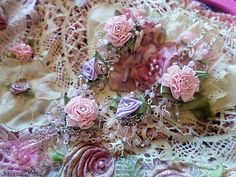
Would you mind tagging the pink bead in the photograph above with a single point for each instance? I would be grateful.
(147, 142)
(136, 142)
(157, 67)
(84, 86)
(155, 61)
(144, 121)
(112, 136)
(98, 139)
(147, 92)
(152, 95)
(134, 129)
(125, 139)
(152, 69)
(73, 138)
(119, 127)
(154, 133)
(106, 131)
(83, 134)
(86, 139)
(101, 164)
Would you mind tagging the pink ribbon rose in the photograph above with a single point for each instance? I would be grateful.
(22, 51)
(183, 83)
(118, 30)
(81, 112)
(88, 161)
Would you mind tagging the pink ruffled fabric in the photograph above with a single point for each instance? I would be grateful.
(24, 152)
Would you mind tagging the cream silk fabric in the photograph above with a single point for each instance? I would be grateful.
(19, 112)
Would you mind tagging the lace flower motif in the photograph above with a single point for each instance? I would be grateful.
(22, 51)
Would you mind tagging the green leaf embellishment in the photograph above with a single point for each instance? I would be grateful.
(117, 13)
(66, 99)
(97, 56)
(31, 41)
(131, 44)
(95, 127)
(57, 157)
(29, 94)
(8, 85)
(201, 74)
(10, 55)
(115, 102)
(102, 78)
(142, 109)
(212, 172)
(129, 167)
(200, 107)
(165, 92)
(110, 46)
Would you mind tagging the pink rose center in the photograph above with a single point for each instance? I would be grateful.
(81, 110)
(184, 83)
(101, 164)
(118, 28)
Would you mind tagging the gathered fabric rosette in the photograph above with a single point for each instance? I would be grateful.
(88, 160)
(81, 112)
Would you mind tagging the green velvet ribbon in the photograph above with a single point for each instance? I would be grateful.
(200, 107)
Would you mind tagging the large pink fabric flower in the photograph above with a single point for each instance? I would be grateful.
(183, 83)
(118, 30)
(22, 51)
(81, 112)
(88, 161)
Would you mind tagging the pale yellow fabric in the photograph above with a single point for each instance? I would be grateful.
(19, 112)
